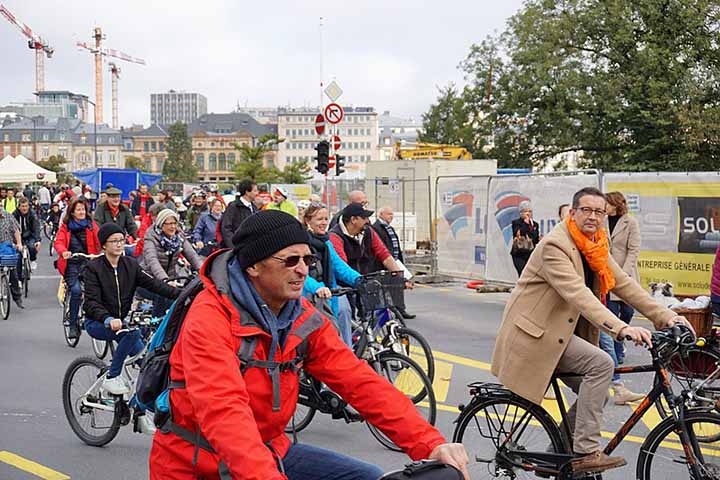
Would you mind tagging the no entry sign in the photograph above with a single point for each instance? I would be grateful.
(336, 142)
(319, 124)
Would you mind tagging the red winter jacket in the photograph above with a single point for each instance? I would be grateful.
(234, 411)
(62, 243)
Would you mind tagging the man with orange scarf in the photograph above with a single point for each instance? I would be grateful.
(553, 320)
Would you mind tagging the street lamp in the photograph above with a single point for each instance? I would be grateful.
(94, 130)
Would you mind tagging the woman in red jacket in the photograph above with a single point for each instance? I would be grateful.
(77, 234)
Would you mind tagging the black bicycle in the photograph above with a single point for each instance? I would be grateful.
(508, 436)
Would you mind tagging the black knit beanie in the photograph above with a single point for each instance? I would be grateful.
(265, 233)
(108, 229)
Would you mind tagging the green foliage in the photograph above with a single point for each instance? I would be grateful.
(632, 85)
(54, 163)
(296, 172)
(179, 166)
(251, 160)
(137, 163)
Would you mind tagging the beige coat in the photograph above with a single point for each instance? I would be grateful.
(544, 311)
(625, 247)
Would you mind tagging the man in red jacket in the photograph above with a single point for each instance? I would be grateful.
(228, 423)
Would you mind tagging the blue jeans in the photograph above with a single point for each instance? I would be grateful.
(160, 303)
(607, 344)
(305, 462)
(625, 313)
(344, 320)
(129, 344)
(72, 280)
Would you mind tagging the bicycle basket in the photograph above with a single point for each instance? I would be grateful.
(381, 290)
(696, 363)
(9, 260)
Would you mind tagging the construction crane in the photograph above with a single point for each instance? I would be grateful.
(100, 52)
(114, 77)
(35, 42)
(431, 150)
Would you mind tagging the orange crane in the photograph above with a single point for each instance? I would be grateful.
(35, 42)
(100, 52)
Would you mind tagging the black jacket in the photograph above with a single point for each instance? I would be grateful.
(385, 237)
(135, 206)
(124, 219)
(111, 295)
(519, 225)
(234, 215)
(31, 232)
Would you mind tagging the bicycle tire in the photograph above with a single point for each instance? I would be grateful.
(388, 364)
(469, 431)
(26, 272)
(71, 342)
(48, 230)
(410, 338)
(4, 296)
(73, 408)
(100, 347)
(303, 414)
(671, 459)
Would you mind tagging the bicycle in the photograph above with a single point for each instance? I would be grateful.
(72, 342)
(400, 370)
(94, 415)
(25, 271)
(522, 438)
(7, 264)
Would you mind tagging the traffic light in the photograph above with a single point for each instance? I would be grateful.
(323, 157)
(339, 164)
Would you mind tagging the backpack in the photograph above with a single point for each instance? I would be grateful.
(425, 470)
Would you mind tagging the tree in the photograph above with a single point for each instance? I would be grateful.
(54, 163)
(296, 172)
(179, 166)
(137, 163)
(251, 160)
(631, 85)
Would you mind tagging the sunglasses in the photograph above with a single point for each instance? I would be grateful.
(293, 260)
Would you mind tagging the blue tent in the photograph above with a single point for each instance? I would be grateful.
(125, 179)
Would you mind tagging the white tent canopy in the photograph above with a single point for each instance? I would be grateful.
(22, 170)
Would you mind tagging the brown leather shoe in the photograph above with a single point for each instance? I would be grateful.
(596, 461)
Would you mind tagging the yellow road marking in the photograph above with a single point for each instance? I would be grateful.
(468, 362)
(31, 467)
(441, 383)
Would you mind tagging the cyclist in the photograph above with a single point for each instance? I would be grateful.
(198, 207)
(142, 202)
(553, 319)
(114, 211)
(256, 290)
(329, 268)
(206, 227)
(29, 230)
(110, 283)
(239, 209)
(53, 217)
(78, 233)
(164, 243)
(145, 224)
(10, 234)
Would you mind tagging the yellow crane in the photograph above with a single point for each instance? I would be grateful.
(431, 150)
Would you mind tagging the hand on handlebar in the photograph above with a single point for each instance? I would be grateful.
(66, 254)
(116, 324)
(639, 335)
(680, 320)
(323, 292)
(452, 454)
(199, 245)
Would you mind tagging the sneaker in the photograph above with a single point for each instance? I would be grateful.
(19, 302)
(115, 386)
(145, 425)
(550, 394)
(33, 266)
(622, 395)
(73, 332)
(596, 461)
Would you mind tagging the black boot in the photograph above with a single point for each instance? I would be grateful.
(19, 302)
(406, 315)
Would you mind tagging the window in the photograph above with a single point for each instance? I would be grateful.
(212, 144)
(212, 162)
(199, 144)
(111, 159)
(200, 161)
(46, 137)
(62, 151)
(146, 147)
(26, 137)
(6, 137)
(111, 140)
(162, 146)
(45, 152)
(231, 160)
(160, 162)
(221, 162)
(153, 146)
(6, 150)
(147, 165)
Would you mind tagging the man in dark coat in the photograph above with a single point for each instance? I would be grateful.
(114, 211)
(239, 209)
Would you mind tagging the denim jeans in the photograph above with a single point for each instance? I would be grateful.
(129, 344)
(72, 280)
(160, 303)
(344, 320)
(607, 344)
(625, 313)
(305, 462)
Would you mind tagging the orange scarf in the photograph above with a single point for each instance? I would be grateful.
(596, 253)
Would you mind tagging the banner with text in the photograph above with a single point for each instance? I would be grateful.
(679, 216)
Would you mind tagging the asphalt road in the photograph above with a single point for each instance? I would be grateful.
(36, 441)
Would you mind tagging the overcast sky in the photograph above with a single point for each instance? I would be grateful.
(391, 55)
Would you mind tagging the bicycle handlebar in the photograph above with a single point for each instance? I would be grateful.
(86, 255)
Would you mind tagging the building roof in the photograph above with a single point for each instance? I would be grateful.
(60, 129)
(228, 123)
(153, 130)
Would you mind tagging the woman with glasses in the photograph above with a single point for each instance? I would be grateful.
(164, 243)
(78, 233)
(330, 268)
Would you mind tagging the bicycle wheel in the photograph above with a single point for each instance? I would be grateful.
(304, 414)
(407, 376)
(72, 342)
(48, 230)
(662, 454)
(483, 428)
(4, 296)
(26, 276)
(100, 347)
(82, 400)
(410, 343)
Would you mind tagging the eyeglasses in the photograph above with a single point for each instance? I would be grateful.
(587, 211)
(293, 260)
(172, 224)
(118, 242)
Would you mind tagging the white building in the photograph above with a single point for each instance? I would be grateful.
(395, 129)
(171, 107)
(358, 134)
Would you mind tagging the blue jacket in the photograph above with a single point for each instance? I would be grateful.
(205, 228)
(339, 271)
